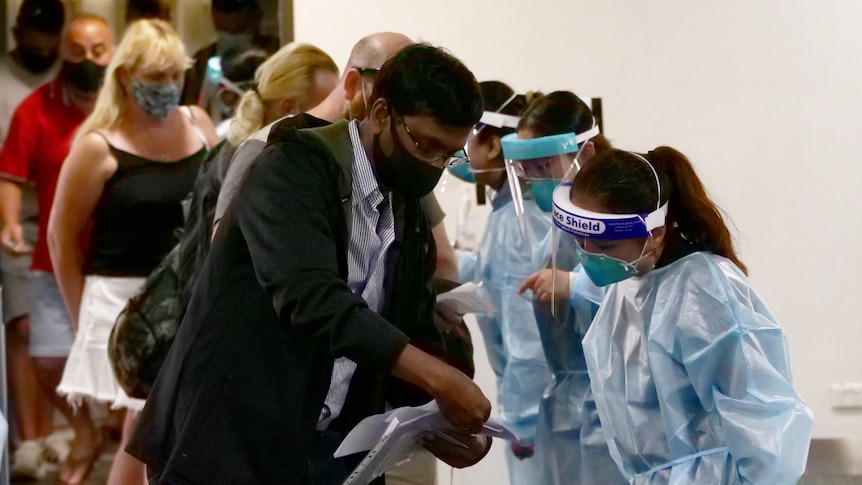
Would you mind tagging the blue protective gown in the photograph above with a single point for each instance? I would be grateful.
(503, 262)
(691, 375)
(569, 431)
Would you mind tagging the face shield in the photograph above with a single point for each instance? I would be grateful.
(581, 276)
(542, 163)
(580, 225)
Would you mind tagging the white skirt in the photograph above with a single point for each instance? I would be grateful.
(88, 373)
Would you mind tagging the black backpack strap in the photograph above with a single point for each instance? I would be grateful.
(336, 140)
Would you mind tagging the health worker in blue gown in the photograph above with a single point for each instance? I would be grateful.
(556, 135)
(689, 368)
(503, 260)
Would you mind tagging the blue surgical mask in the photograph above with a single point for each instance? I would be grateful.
(543, 192)
(604, 270)
(463, 172)
(157, 100)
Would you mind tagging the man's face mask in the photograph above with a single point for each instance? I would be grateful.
(36, 62)
(157, 100)
(85, 76)
(401, 171)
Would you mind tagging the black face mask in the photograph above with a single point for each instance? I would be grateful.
(401, 171)
(85, 76)
(35, 62)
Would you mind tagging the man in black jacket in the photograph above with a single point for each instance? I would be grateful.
(326, 240)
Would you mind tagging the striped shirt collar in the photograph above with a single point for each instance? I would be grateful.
(365, 183)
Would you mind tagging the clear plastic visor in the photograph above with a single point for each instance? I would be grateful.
(548, 157)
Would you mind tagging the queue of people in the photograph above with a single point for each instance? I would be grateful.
(628, 344)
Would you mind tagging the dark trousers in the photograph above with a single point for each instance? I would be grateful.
(323, 468)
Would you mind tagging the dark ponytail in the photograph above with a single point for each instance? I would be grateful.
(561, 112)
(693, 218)
(623, 183)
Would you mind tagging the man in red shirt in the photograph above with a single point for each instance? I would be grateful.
(38, 141)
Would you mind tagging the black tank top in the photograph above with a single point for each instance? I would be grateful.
(136, 222)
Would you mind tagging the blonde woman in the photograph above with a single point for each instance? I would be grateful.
(294, 80)
(131, 163)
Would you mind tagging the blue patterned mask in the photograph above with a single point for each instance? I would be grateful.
(157, 100)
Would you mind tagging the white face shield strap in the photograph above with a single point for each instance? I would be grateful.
(497, 119)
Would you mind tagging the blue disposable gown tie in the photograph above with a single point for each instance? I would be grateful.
(569, 432)
(691, 375)
(503, 262)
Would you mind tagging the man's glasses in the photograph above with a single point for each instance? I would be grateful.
(448, 160)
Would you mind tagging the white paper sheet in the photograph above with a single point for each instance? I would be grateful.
(467, 298)
(391, 438)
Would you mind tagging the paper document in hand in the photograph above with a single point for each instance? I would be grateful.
(392, 438)
(467, 298)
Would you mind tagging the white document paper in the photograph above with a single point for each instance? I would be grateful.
(391, 438)
(467, 298)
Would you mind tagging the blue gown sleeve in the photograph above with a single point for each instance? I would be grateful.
(526, 373)
(737, 359)
(466, 266)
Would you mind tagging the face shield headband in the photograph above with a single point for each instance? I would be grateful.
(497, 119)
(587, 224)
(583, 223)
(489, 118)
